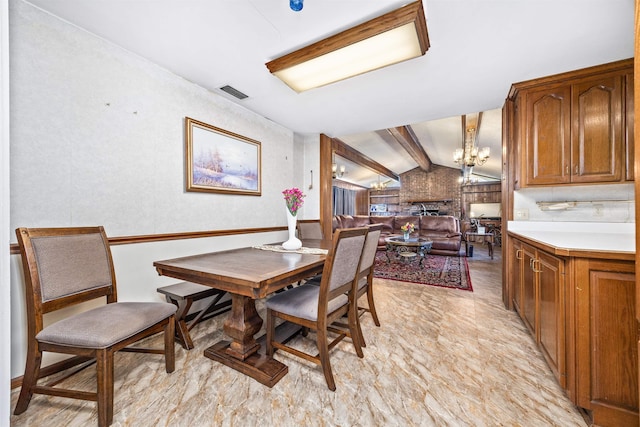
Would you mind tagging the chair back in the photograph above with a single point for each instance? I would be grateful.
(370, 249)
(310, 230)
(65, 266)
(341, 265)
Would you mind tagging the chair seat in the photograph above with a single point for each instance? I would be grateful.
(107, 325)
(303, 302)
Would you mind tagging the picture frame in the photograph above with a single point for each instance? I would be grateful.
(219, 161)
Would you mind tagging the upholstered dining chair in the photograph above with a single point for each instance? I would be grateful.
(317, 307)
(67, 266)
(310, 230)
(365, 276)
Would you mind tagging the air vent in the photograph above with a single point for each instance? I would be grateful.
(233, 92)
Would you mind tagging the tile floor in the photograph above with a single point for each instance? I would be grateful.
(441, 358)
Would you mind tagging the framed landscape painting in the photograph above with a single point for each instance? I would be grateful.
(220, 161)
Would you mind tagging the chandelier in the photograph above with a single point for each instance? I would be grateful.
(379, 185)
(471, 155)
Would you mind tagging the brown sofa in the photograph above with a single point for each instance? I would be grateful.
(444, 231)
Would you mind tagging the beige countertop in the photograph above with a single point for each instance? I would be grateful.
(579, 236)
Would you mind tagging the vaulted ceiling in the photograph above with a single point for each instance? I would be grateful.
(478, 49)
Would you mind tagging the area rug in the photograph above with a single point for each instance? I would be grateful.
(436, 270)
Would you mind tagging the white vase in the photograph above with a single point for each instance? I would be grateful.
(293, 243)
(406, 236)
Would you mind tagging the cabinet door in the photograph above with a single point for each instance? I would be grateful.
(529, 290)
(629, 127)
(546, 156)
(516, 274)
(551, 320)
(596, 135)
(607, 333)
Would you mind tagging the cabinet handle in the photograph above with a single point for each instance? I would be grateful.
(533, 266)
(566, 169)
(519, 254)
(531, 263)
(576, 170)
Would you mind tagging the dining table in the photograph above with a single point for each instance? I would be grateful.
(248, 274)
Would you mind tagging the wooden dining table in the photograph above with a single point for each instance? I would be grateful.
(247, 274)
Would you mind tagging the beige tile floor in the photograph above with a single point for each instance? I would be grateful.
(441, 358)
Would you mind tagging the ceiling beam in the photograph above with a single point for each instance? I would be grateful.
(409, 141)
(343, 150)
(477, 129)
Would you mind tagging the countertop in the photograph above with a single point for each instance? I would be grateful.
(579, 236)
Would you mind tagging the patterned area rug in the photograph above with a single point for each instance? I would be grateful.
(436, 270)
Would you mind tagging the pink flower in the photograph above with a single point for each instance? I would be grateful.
(293, 197)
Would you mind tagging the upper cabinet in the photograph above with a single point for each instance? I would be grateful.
(628, 129)
(547, 152)
(573, 127)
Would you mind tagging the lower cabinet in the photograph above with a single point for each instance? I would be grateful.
(550, 272)
(542, 303)
(581, 312)
(606, 341)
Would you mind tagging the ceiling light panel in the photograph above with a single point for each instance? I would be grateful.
(391, 38)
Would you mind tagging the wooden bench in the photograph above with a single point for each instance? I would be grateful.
(183, 295)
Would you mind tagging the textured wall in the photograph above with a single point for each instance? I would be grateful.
(441, 183)
(97, 138)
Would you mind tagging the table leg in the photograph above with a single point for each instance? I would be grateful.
(242, 352)
(241, 325)
(490, 247)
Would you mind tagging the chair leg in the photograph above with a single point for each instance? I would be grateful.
(270, 332)
(323, 349)
(169, 345)
(354, 329)
(104, 370)
(372, 305)
(363, 343)
(31, 374)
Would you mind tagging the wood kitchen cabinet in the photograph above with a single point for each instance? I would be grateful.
(573, 126)
(539, 297)
(547, 151)
(529, 291)
(550, 272)
(581, 311)
(629, 126)
(606, 341)
(596, 134)
(515, 274)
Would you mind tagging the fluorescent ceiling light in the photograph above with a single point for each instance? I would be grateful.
(394, 37)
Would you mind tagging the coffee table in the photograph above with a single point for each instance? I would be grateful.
(419, 245)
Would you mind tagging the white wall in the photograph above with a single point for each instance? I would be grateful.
(97, 138)
(5, 293)
(311, 170)
(611, 203)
